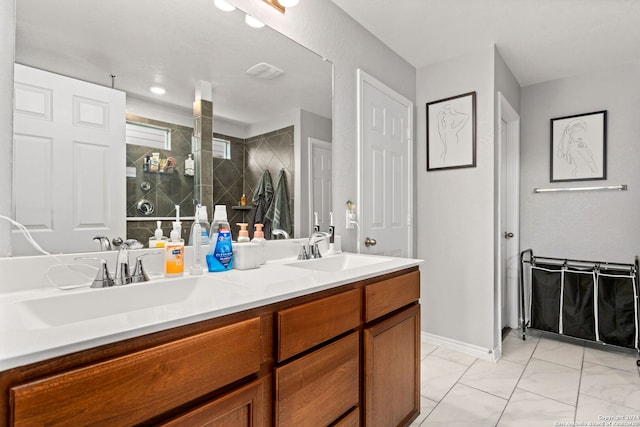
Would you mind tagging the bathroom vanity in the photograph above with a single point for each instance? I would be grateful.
(301, 344)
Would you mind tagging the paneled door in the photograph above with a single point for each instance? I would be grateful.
(69, 161)
(385, 133)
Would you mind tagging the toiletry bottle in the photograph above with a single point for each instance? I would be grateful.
(189, 166)
(155, 162)
(201, 214)
(196, 234)
(243, 234)
(174, 254)
(220, 254)
(258, 237)
(243, 200)
(158, 240)
(332, 232)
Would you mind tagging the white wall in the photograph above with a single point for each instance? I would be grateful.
(7, 54)
(324, 28)
(585, 225)
(456, 211)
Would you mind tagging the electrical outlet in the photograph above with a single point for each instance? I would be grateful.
(350, 219)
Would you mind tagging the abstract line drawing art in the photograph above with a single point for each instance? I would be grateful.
(451, 132)
(578, 147)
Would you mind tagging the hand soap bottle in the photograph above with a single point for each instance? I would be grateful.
(174, 253)
(158, 240)
(243, 234)
(220, 254)
(258, 237)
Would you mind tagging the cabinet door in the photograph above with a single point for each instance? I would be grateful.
(392, 370)
(318, 388)
(241, 408)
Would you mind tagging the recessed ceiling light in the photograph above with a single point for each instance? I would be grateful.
(158, 90)
(253, 22)
(223, 5)
(288, 3)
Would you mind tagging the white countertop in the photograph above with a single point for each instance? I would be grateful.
(38, 324)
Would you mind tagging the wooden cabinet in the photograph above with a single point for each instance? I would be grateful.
(391, 353)
(344, 357)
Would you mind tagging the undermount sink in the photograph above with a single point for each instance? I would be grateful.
(340, 262)
(87, 304)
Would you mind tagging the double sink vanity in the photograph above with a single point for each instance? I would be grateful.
(330, 341)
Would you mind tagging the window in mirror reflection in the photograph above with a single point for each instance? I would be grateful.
(148, 136)
(221, 148)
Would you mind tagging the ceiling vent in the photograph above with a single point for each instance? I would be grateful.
(264, 71)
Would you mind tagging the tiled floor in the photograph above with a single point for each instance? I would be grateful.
(546, 380)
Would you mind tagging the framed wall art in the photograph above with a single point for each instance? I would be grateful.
(579, 147)
(451, 132)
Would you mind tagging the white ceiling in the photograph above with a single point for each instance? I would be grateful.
(153, 42)
(540, 40)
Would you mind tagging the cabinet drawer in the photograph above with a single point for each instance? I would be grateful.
(318, 388)
(388, 295)
(133, 388)
(351, 420)
(306, 325)
(241, 408)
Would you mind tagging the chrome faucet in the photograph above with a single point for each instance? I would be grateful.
(313, 250)
(123, 275)
(280, 232)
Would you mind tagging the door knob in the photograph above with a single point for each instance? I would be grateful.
(369, 242)
(508, 235)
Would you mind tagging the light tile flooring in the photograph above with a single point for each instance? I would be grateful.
(546, 380)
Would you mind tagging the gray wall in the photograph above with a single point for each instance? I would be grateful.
(323, 27)
(583, 225)
(7, 51)
(456, 211)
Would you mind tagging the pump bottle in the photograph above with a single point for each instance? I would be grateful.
(174, 253)
(258, 237)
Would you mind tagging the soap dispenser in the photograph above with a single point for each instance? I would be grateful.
(243, 234)
(158, 240)
(258, 237)
(174, 253)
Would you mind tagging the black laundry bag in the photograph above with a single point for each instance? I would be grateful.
(616, 311)
(545, 297)
(578, 314)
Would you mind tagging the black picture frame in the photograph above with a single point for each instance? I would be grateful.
(578, 149)
(451, 132)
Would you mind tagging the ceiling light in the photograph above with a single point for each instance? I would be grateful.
(288, 3)
(158, 90)
(253, 22)
(223, 5)
(265, 71)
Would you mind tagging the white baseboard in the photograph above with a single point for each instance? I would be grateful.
(463, 347)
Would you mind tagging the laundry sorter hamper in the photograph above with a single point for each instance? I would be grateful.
(590, 300)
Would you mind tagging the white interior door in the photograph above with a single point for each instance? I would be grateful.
(509, 196)
(320, 182)
(69, 161)
(385, 134)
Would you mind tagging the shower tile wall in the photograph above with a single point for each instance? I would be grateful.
(166, 190)
(271, 151)
(228, 183)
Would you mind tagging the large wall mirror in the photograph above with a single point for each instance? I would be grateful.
(262, 121)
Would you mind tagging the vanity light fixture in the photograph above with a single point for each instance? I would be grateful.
(158, 90)
(224, 6)
(281, 5)
(253, 22)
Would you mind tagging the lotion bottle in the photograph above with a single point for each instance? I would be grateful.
(174, 253)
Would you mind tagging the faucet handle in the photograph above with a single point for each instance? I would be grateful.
(103, 278)
(303, 252)
(139, 275)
